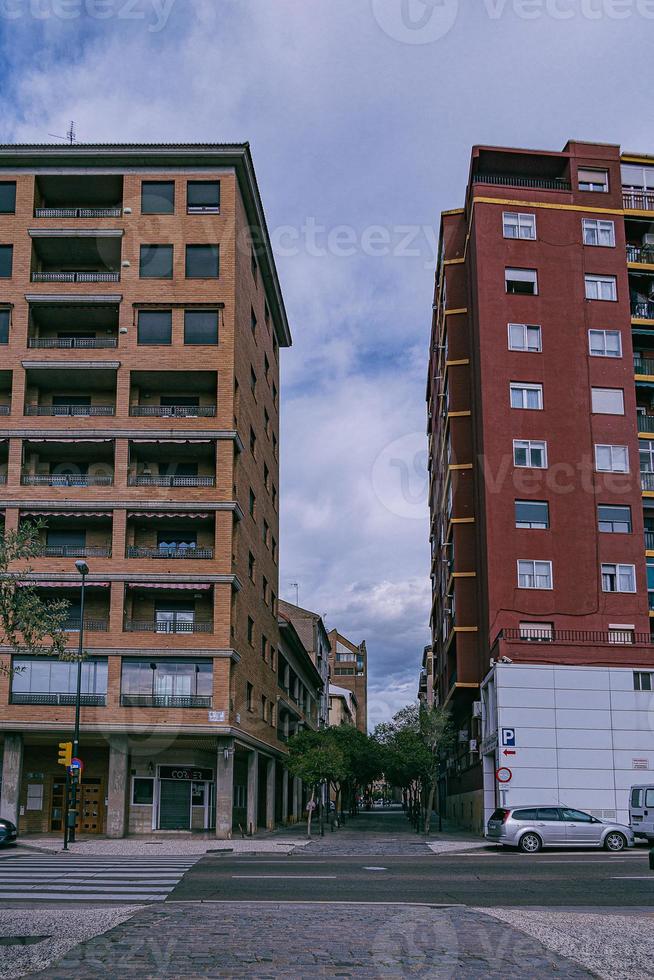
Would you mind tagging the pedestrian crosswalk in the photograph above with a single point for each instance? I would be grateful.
(89, 878)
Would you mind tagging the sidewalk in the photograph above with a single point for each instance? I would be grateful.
(277, 842)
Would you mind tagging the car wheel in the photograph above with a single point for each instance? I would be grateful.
(615, 841)
(530, 843)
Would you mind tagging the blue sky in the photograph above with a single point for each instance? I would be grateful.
(361, 115)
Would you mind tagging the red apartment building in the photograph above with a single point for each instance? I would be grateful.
(541, 427)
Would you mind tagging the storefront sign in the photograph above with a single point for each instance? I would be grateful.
(187, 773)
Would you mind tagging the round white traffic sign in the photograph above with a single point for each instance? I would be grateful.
(503, 775)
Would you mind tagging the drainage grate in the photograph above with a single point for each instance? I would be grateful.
(22, 940)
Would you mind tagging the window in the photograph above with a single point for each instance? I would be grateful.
(264, 647)
(34, 799)
(533, 514)
(156, 262)
(622, 634)
(253, 382)
(650, 582)
(607, 401)
(251, 564)
(274, 393)
(249, 695)
(598, 232)
(646, 453)
(273, 549)
(521, 281)
(529, 452)
(605, 343)
(601, 287)
(155, 327)
(593, 180)
(44, 675)
(273, 494)
(142, 791)
(202, 261)
(203, 197)
(518, 225)
(611, 459)
(6, 261)
(636, 793)
(266, 476)
(526, 814)
(253, 442)
(253, 264)
(264, 589)
(266, 367)
(265, 533)
(642, 682)
(526, 396)
(253, 322)
(4, 326)
(534, 574)
(7, 197)
(576, 816)
(614, 519)
(618, 578)
(253, 503)
(525, 337)
(637, 178)
(266, 422)
(250, 631)
(537, 632)
(201, 327)
(158, 197)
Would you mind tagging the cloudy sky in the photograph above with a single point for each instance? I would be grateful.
(361, 115)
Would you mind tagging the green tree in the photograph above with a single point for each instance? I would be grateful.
(28, 624)
(315, 759)
(363, 760)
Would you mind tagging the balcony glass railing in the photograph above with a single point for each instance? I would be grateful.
(86, 700)
(65, 480)
(167, 626)
(197, 553)
(173, 411)
(86, 410)
(73, 551)
(514, 180)
(640, 253)
(71, 343)
(171, 481)
(573, 637)
(647, 481)
(643, 310)
(636, 200)
(113, 212)
(165, 701)
(76, 277)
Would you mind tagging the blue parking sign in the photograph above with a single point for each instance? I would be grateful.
(508, 736)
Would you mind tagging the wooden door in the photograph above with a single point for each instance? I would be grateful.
(91, 807)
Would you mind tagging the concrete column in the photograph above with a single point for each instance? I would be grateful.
(285, 795)
(297, 799)
(253, 786)
(117, 786)
(270, 794)
(12, 766)
(224, 788)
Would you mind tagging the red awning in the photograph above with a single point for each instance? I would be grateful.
(65, 513)
(56, 438)
(155, 442)
(37, 583)
(202, 587)
(162, 514)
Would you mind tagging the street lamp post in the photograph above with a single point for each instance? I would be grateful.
(83, 569)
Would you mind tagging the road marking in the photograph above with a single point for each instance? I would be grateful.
(632, 877)
(287, 877)
(375, 869)
(311, 904)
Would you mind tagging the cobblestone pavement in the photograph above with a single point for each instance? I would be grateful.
(378, 832)
(342, 940)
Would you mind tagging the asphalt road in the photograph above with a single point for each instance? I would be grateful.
(486, 878)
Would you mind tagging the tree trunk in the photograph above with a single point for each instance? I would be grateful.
(310, 813)
(430, 805)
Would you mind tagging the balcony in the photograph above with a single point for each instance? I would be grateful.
(643, 310)
(72, 551)
(73, 326)
(70, 410)
(5, 409)
(645, 422)
(201, 554)
(62, 462)
(72, 343)
(78, 197)
(165, 701)
(647, 481)
(115, 212)
(90, 625)
(638, 201)
(63, 700)
(72, 256)
(169, 464)
(173, 625)
(649, 540)
(170, 481)
(65, 480)
(95, 276)
(644, 254)
(578, 637)
(643, 365)
(173, 411)
(515, 180)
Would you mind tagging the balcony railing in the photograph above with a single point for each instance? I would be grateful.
(649, 540)
(90, 625)
(71, 343)
(513, 180)
(76, 277)
(173, 411)
(86, 700)
(71, 551)
(574, 637)
(640, 253)
(165, 701)
(171, 481)
(115, 212)
(3, 479)
(87, 410)
(65, 480)
(647, 481)
(643, 365)
(638, 200)
(197, 553)
(5, 409)
(172, 626)
(643, 310)
(645, 423)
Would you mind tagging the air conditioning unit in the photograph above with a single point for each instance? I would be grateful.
(476, 709)
(648, 238)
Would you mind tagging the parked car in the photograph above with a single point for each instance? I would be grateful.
(8, 832)
(531, 828)
(641, 811)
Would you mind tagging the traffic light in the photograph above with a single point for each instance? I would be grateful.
(65, 753)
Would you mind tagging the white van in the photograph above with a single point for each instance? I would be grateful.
(641, 811)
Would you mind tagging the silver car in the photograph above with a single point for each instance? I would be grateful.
(531, 828)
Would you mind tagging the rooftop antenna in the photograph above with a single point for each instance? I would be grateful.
(296, 586)
(70, 137)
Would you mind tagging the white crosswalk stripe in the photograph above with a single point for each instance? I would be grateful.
(72, 878)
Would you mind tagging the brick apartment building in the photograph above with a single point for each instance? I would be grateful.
(313, 634)
(141, 322)
(348, 664)
(541, 451)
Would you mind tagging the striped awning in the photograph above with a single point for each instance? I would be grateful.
(163, 514)
(192, 587)
(37, 583)
(155, 442)
(65, 513)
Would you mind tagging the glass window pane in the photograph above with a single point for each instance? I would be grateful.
(158, 197)
(155, 327)
(531, 513)
(156, 262)
(6, 261)
(7, 197)
(4, 326)
(143, 791)
(202, 261)
(201, 327)
(649, 797)
(203, 195)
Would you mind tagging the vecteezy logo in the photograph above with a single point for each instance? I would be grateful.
(400, 479)
(416, 21)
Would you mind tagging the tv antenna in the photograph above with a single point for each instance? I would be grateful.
(70, 137)
(296, 586)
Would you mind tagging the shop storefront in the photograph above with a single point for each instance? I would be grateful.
(178, 797)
